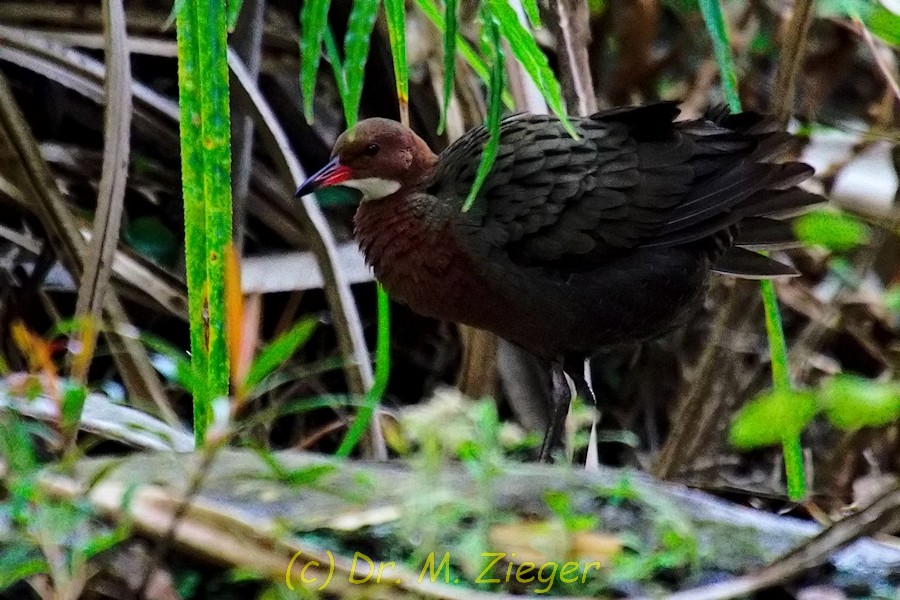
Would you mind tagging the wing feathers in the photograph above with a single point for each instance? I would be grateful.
(635, 178)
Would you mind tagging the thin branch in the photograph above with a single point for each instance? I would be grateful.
(573, 22)
(130, 356)
(101, 250)
(882, 515)
(792, 53)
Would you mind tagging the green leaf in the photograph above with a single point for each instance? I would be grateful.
(356, 50)
(176, 8)
(528, 53)
(532, 12)
(313, 23)
(396, 23)
(465, 49)
(450, 34)
(382, 374)
(884, 24)
(879, 20)
(491, 43)
(16, 446)
(171, 362)
(307, 475)
(334, 58)
(855, 9)
(151, 238)
(205, 132)
(718, 33)
(279, 350)
(73, 398)
(833, 230)
(18, 562)
(596, 8)
(852, 402)
(892, 298)
(233, 11)
(337, 195)
(772, 417)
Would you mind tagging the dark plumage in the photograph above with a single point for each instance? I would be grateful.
(573, 245)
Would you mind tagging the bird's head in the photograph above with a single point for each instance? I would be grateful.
(377, 157)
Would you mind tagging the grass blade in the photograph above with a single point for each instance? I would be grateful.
(382, 374)
(718, 33)
(430, 10)
(313, 23)
(396, 23)
(491, 44)
(525, 49)
(206, 180)
(194, 208)
(450, 33)
(792, 449)
(216, 131)
(116, 149)
(334, 57)
(356, 50)
(232, 12)
(278, 351)
(532, 12)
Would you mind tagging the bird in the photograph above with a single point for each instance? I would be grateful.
(573, 244)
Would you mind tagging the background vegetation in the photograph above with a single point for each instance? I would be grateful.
(165, 290)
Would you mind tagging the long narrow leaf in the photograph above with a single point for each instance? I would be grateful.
(533, 60)
(491, 39)
(396, 23)
(533, 12)
(334, 57)
(278, 351)
(382, 373)
(718, 32)
(206, 180)
(194, 209)
(356, 50)
(430, 10)
(233, 11)
(215, 125)
(313, 22)
(792, 449)
(450, 33)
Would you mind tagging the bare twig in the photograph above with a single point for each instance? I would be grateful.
(101, 417)
(792, 53)
(573, 22)
(102, 248)
(247, 43)
(700, 408)
(37, 182)
(882, 515)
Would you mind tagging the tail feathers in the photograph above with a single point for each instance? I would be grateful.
(760, 233)
(779, 204)
(739, 262)
(729, 197)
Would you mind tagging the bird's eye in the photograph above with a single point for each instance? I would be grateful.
(371, 150)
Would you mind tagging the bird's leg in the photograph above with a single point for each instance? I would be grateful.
(579, 369)
(559, 410)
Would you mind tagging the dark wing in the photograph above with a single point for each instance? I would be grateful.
(633, 179)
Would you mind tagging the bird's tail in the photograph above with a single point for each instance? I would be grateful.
(763, 220)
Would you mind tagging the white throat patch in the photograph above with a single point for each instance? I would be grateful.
(373, 188)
